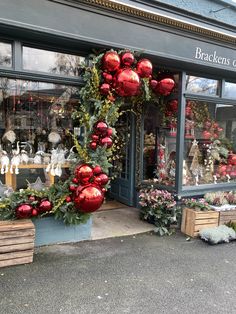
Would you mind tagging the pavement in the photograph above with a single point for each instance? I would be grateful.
(141, 274)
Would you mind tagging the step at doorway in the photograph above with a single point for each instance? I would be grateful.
(112, 204)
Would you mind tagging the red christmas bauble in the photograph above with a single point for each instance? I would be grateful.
(88, 199)
(153, 84)
(68, 199)
(144, 68)
(111, 61)
(105, 89)
(233, 159)
(97, 170)
(101, 128)
(93, 145)
(107, 77)
(206, 135)
(165, 86)
(45, 206)
(106, 141)
(127, 59)
(72, 188)
(24, 211)
(75, 180)
(127, 83)
(103, 178)
(34, 212)
(83, 173)
(109, 132)
(95, 137)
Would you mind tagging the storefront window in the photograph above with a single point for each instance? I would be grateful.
(34, 119)
(5, 54)
(51, 62)
(230, 90)
(201, 85)
(159, 152)
(210, 143)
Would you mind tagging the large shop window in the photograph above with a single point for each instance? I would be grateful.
(51, 62)
(34, 119)
(5, 54)
(210, 142)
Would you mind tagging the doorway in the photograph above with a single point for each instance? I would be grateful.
(122, 188)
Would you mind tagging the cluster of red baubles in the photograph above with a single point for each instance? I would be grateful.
(211, 130)
(87, 188)
(33, 207)
(229, 168)
(101, 135)
(119, 75)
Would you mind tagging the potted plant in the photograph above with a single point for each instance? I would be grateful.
(197, 215)
(224, 203)
(159, 208)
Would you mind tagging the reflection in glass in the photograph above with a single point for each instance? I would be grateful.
(34, 119)
(230, 90)
(202, 85)
(210, 151)
(51, 62)
(5, 54)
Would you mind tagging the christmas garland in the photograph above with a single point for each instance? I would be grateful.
(113, 79)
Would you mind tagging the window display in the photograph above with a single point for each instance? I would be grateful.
(210, 152)
(34, 120)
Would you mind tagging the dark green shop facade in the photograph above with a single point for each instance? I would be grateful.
(187, 144)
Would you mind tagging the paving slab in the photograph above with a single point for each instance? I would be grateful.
(117, 223)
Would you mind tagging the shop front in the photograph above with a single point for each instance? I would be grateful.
(184, 141)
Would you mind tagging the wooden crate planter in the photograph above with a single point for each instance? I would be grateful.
(194, 221)
(16, 242)
(226, 216)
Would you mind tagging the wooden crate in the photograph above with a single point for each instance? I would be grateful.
(16, 242)
(194, 221)
(226, 216)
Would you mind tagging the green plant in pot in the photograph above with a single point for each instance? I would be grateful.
(159, 208)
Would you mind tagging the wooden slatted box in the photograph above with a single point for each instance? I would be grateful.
(16, 242)
(227, 216)
(194, 221)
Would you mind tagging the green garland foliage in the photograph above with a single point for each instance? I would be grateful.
(93, 107)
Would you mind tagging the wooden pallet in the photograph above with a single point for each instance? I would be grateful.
(226, 216)
(16, 242)
(194, 221)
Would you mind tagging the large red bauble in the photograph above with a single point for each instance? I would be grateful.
(101, 128)
(127, 83)
(88, 199)
(103, 178)
(111, 61)
(24, 211)
(83, 173)
(127, 59)
(144, 68)
(106, 141)
(105, 89)
(45, 206)
(107, 77)
(165, 86)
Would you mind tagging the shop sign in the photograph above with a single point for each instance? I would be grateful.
(214, 57)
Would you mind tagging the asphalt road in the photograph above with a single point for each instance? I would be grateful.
(141, 274)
